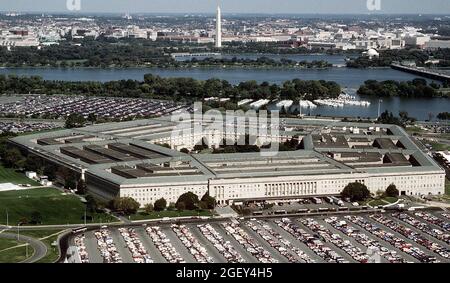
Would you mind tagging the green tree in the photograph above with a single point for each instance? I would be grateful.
(209, 201)
(184, 150)
(75, 121)
(148, 208)
(126, 205)
(91, 203)
(81, 187)
(190, 200)
(180, 206)
(13, 158)
(160, 204)
(392, 191)
(356, 192)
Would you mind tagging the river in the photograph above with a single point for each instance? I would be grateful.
(346, 77)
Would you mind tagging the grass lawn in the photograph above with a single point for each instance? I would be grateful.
(8, 175)
(54, 207)
(415, 129)
(43, 235)
(161, 214)
(13, 255)
(439, 146)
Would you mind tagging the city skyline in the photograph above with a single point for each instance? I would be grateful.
(234, 6)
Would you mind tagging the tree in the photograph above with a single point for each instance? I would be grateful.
(91, 203)
(36, 217)
(75, 121)
(184, 150)
(92, 118)
(190, 200)
(81, 187)
(181, 206)
(392, 191)
(148, 208)
(126, 205)
(13, 158)
(209, 201)
(160, 204)
(356, 192)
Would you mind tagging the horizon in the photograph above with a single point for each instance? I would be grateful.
(232, 6)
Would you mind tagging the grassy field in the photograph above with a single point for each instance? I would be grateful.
(439, 146)
(47, 237)
(161, 214)
(13, 255)
(8, 175)
(54, 207)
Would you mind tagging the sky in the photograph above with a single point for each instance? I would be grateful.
(233, 6)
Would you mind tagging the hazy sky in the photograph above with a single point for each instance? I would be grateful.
(232, 6)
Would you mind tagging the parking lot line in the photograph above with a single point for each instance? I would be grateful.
(121, 246)
(381, 241)
(246, 255)
(275, 254)
(212, 251)
(296, 242)
(147, 242)
(327, 244)
(92, 248)
(176, 242)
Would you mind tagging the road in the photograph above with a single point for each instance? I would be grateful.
(40, 249)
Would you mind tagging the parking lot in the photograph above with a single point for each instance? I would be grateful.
(57, 106)
(352, 238)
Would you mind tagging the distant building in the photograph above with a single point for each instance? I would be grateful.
(437, 44)
(417, 41)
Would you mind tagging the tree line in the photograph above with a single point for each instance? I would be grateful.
(414, 88)
(180, 89)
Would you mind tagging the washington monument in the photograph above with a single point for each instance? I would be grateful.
(219, 28)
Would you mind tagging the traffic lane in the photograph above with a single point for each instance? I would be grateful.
(327, 244)
(212, 251)
(345, 237)
(398, 235)
(381, 241)
(40, 249)
(92, 248)
(249, 258)
(121, 246)
(153, 251)
(178, 245)
(260, 241)
(296, 242)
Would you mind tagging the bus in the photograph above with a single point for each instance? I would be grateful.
(79, 230)
(316, 200)
(337, 201)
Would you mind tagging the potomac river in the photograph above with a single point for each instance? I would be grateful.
(348, 78)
